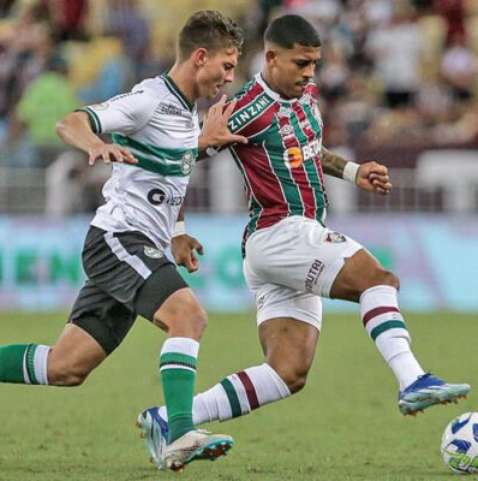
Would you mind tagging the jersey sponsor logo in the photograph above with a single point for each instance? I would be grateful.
(169, 109)
(312, 149)
(242, 117)
(152, 252)
(295, 156)
(313, 275)
(335, 237)
(158, 197)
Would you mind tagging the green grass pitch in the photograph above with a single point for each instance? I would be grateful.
(344, 426)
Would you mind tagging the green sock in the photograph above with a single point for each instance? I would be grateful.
(24, 363)
(178, 374)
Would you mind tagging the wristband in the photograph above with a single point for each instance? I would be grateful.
(179, 228)
(350, 171)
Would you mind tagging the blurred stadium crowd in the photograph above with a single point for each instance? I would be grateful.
(398, 81)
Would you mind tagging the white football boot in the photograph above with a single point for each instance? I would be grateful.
(195, 445)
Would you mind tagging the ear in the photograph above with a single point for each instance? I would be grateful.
(200, 57)
(271, 55)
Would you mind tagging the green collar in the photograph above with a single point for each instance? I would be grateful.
(174, 89)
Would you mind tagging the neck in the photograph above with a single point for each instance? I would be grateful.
(181, 74)
(266, 75)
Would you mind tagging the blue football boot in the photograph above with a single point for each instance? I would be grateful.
(154, 430)
(427, 391)
(195, 445)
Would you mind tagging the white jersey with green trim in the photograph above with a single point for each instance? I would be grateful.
(160, 127)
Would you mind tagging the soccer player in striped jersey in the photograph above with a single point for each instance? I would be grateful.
(291, 259)
(155, 133)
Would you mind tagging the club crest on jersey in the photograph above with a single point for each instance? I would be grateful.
(152, 252)
(335, 237)
(286, 130)
(187, 163)
(101, 107)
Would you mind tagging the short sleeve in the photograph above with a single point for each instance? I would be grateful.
(251, 116)
(126, 113)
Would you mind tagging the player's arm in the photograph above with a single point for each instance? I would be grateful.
(333, 164)
(75, 130)
(184, 247)
(124, 114)
(370, 176)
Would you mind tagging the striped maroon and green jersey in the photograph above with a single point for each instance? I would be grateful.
(281, 163)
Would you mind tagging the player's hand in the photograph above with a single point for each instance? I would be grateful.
(215, 130)
(184, 249)
(374, 177)
(110, 153)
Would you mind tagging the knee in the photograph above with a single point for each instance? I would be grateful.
(197, 320)
(387, 278)
(184, 319)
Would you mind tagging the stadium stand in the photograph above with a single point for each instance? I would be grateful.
(397, 79)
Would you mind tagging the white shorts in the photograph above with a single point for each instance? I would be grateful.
(293, 263)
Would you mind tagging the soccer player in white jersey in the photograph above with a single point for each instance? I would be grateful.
(291, 258)
(156, 139)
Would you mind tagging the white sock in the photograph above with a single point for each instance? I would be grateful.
(237, 395)
(35, 364)
(181, 345)
(386, 327)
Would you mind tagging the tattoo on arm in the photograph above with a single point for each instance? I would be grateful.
(332, 164)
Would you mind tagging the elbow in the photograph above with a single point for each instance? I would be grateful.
(61, 127)
(70, 124)
(64, 125)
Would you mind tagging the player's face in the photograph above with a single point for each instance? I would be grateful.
(216, 71)
(289, 70)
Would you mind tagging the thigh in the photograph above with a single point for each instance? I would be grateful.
(275, 301)
(181, 315)
(299, 253)
(159, 287)
(102, 317)
(358, 274)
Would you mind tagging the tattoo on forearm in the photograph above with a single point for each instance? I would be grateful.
(332, 164)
